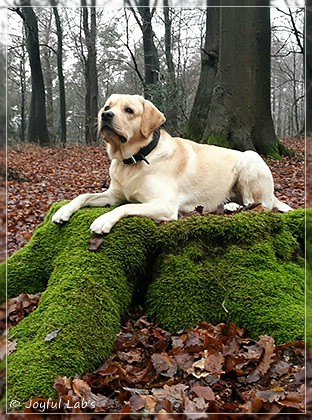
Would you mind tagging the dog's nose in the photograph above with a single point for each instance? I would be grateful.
(107, 115)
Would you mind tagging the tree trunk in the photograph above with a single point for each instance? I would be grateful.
(60, 76)
(91, 79)
(168, 40)
(151, 60)
(23, 91)
(48, 76)
(209, 64)
(240, 112)
(171, 105)
(309, 67)
(37, 127)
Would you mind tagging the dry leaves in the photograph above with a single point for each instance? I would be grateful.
(206, 369)
(309, 172)
(289, 174)
(38, 177)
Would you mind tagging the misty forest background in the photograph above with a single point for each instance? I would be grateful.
(208, 69)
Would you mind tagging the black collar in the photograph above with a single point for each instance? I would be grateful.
(144, 151)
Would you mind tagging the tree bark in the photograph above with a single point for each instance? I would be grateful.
(240, 113)
(91, 78)
(48, 75)
(61, 76)
(23, 91)
(151, 60)
(171, 105)
(37, 126)
(209, 64)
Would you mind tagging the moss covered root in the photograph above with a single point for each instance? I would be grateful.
(86, 295)
(245, 268)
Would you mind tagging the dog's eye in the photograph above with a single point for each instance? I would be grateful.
(106, 108)
(129, 110)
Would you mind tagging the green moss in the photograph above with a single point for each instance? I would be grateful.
(87, 294)
(274, 152)
(221, 231)
(218, 139)
(3, 282)
(246, 268)
(295, 223)
(30, 268)
(309, 277)
(284, 151)
(249, 272)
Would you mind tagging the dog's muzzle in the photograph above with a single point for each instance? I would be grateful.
(107, 117)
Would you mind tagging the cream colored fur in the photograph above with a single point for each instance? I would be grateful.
(181, 175)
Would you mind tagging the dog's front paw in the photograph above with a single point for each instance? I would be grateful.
(62, 215)
(102, 224)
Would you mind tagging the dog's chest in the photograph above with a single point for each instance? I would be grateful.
(128, 179)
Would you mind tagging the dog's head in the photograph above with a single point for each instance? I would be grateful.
(126, 118)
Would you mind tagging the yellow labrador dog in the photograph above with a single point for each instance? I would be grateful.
(158, 175)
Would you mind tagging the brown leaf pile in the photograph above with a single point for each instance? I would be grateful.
(309, 172)
(206, 369)
(2, 204)
(38, 177)
(20, 306)
(289, 174)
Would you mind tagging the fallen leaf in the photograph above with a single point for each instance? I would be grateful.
(164, 364)
(204, 392)
(137, 402)
(11, 346)
(269, 353)
(81, 388)
(51, 336)
(95, 244)
(270, 395)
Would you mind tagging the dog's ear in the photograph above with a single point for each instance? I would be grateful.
(152, 118)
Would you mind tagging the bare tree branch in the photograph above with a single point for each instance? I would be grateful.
(130, 51)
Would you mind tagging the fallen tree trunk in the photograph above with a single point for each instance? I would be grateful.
(247, 268)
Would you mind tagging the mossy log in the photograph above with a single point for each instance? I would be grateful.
(247, 268)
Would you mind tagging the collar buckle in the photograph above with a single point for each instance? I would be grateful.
(133, 160)
(144, 151)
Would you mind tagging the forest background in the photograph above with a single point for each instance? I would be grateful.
(164, 53)
(87, 54)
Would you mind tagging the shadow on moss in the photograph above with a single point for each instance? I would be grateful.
(247, 268)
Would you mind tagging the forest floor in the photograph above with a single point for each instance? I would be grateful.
(142, 375)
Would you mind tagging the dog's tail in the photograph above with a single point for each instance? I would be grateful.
(284, 208)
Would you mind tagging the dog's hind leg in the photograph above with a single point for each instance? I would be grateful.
(255, 182)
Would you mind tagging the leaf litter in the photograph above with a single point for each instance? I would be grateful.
(206, 369)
